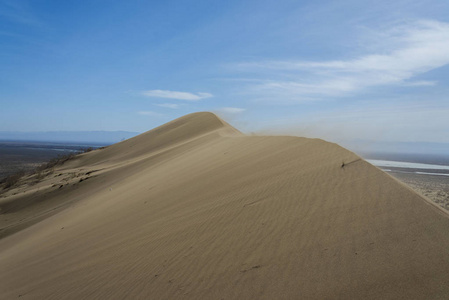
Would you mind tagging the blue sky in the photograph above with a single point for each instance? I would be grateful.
(375, 70)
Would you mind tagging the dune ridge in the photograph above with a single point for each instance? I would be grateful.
(194, 209)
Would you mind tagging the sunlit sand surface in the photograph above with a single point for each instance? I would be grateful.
(196, 210)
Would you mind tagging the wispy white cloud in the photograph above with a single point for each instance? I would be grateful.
(149, 113)
(420, 83)
(169, 105)
(410, 50)
(231, 110)
(176, 95)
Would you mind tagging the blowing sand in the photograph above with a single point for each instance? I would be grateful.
(196, 210)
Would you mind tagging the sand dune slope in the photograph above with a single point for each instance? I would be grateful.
(196, 210)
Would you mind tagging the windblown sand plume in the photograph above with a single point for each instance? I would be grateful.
(196, 210)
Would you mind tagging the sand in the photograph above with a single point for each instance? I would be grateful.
(196, 210)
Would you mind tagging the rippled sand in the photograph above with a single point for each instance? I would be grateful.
(194, 209)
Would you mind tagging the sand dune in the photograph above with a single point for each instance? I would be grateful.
(196, 210)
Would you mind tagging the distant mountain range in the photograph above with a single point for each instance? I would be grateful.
(93, 137)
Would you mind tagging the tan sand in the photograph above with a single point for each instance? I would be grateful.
(196, 210)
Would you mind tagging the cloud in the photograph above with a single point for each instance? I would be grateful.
(231, 110)
(149, 113)
(408, 50)
(169, 105)
(420, 83)
(176, 95)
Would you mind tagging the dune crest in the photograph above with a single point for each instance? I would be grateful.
(194, 209)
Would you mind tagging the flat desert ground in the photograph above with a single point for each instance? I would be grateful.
(435, 188)
(194, 209)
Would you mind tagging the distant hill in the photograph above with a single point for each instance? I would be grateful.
(97, 137)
